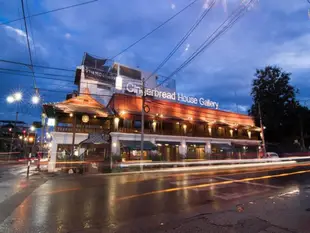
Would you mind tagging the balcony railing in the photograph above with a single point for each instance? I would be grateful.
(68, 129)
(188, 134)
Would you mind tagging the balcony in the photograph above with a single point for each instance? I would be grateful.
(188, 134)
(97, 129)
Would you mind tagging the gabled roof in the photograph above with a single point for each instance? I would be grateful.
(81, 104)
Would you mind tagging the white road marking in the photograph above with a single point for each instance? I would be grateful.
(248, 182)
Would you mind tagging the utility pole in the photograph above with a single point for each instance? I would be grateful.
(13, 135)
(262, 130)
(43, 118)
(73, 135)
(142, 123)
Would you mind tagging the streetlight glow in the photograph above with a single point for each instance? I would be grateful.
(18, 96)
(35, 99)
(32, 128)
(10, 99)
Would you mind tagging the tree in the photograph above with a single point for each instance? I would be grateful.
(277, 98)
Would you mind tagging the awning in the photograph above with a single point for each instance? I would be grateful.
(95, 138)
(136, 145)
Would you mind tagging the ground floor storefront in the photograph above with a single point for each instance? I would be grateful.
(126, 147)
(180, 148)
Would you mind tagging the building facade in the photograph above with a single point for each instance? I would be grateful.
(104, 121)
(172, 131)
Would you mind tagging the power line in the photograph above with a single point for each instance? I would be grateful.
(237, 14)
(184, 38)
(25, 71)
(155, 29)
(31, 31)
(37, 66)
(38, 77)
(28, 44)
(50, 11)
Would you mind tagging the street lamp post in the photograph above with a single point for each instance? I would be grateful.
(15, 98)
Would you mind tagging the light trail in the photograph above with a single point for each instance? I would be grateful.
(209, 185)
(215, 167)
(232, 172)
(208, 162)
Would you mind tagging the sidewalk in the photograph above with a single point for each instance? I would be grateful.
(288, 212)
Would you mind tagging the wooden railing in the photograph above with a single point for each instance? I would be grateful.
(150, 131)
(188, 134)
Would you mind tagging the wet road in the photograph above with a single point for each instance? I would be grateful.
(12, 178)
(133, 203)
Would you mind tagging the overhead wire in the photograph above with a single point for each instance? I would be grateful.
(25, 71)
(236, 15)
(50, 11)
(28, 44)
(183, 39)
(38, 77)
(37, 66)
(155, 29)
(75, 5)
(31, 31)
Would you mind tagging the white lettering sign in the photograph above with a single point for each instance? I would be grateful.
(132, 88)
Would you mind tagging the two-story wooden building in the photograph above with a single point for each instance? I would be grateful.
(173, 131)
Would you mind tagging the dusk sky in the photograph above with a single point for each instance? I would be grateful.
(273, 32)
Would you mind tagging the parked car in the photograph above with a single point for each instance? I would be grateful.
(272, 155)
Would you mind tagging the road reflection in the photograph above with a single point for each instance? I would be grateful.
(210, 184)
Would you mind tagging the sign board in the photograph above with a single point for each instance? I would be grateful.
(174, 96)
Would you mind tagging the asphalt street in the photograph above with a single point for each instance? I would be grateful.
(12, 179)
(139, 202)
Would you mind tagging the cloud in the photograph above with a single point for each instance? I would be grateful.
(17, 34)
(293, 54)
(272, 32)
(21, 37)
(68, 35)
